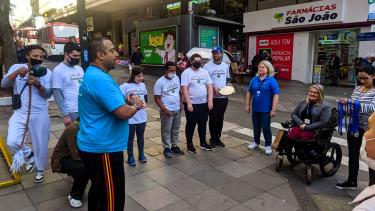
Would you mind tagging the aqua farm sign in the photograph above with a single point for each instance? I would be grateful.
(306, 14)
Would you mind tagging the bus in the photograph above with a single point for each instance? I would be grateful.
(28, 35)
(55, 35)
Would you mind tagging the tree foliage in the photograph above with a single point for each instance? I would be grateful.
(6, 39)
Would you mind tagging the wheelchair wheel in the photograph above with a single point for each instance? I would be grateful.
(279, 162)
(291, 154)
(308, 174)
(330, 161)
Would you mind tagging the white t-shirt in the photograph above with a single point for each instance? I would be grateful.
(219, 74)
(169, 90)
(67, 79)
(141, 91)
(196, 82)
(39, 104)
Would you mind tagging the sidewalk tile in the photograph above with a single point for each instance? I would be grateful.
(239, 191)
(165, 174)
(232, 153)
(212, 177)
(268, 202)
(156, 198)
(15, 201)
(186, 187)
(180, 206)
(152, 163)
(212, 200)
(262, 181)
(256, 162)
(286, 193)
(139, 183)
(235, 169)
(132, 205)
(48, 191)
(191, 166)
(212, 159)
(31, 208)
(10, 189)
(174, 160)
(240, 208)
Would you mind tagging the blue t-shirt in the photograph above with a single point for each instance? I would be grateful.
(100, 130)
(262, 93)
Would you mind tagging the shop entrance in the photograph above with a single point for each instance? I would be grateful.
(334, 56)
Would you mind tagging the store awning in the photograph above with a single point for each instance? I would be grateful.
(218, 20)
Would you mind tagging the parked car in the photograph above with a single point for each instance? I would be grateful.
(207, 55)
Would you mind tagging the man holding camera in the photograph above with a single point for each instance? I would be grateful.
(18, 77)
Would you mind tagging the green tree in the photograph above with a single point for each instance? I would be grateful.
(6, 39)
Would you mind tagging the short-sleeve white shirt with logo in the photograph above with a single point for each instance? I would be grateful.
(219, 74)
(139, 90)
(67, 79)
(196, 82)
(169, 90)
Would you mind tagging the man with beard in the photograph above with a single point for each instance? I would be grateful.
(104, 129)
(219, 72)
(18, 78)
(65, 83)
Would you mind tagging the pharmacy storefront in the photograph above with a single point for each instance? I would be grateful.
(302, 39)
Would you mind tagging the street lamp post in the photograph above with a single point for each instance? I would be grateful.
(83, 36)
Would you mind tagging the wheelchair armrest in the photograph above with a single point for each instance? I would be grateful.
(287, 124)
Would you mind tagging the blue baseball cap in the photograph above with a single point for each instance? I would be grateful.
(217, 49)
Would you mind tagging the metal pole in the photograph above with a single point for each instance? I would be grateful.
(83, 36)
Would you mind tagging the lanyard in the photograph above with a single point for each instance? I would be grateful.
(351, 109)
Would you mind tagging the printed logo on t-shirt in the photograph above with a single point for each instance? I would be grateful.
(173, 88)
(218, 73)
(75, 76)
(199, 79)
(140, 92)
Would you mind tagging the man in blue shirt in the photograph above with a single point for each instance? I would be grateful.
(103, 133)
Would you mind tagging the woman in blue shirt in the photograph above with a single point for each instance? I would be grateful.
(263, 94)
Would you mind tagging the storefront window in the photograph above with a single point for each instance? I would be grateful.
(334, 56)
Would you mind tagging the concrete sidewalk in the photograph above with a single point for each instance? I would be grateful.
(231, 178)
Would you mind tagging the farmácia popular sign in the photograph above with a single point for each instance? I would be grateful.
(306, 14)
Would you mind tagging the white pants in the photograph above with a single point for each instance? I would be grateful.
(39, 130)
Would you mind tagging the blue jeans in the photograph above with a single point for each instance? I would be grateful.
(138, 129)
(262, 121)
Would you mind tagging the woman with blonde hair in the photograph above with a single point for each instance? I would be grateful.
(263, 94)
(310, 114)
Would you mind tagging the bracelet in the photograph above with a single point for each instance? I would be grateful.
(137, 107)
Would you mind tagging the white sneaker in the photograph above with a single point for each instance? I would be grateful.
(39, 177)
(74, 202)
(30, 161)
(268, 150)
(253, 146)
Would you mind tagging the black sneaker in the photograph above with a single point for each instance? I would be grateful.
(205, 146)
(167, 153)
(219, 143)
(191, 149)
(177, 150)
(347, 185)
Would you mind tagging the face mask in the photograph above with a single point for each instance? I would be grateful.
(35, 61)
(73, 61)
(196, 65)
(171, 75)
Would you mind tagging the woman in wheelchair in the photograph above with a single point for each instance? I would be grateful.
(310, 115)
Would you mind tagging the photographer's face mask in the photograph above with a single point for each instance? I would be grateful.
(36, 57)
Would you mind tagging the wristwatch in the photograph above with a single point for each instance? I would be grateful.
(137, 107)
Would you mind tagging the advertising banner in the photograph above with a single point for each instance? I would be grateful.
(280, 48)
(158, 46)
(208, 36)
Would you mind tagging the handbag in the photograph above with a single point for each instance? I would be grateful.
(16, 98)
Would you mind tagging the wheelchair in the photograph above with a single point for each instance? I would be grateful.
(318, 150)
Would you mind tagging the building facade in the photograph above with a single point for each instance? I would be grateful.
(302, 37)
